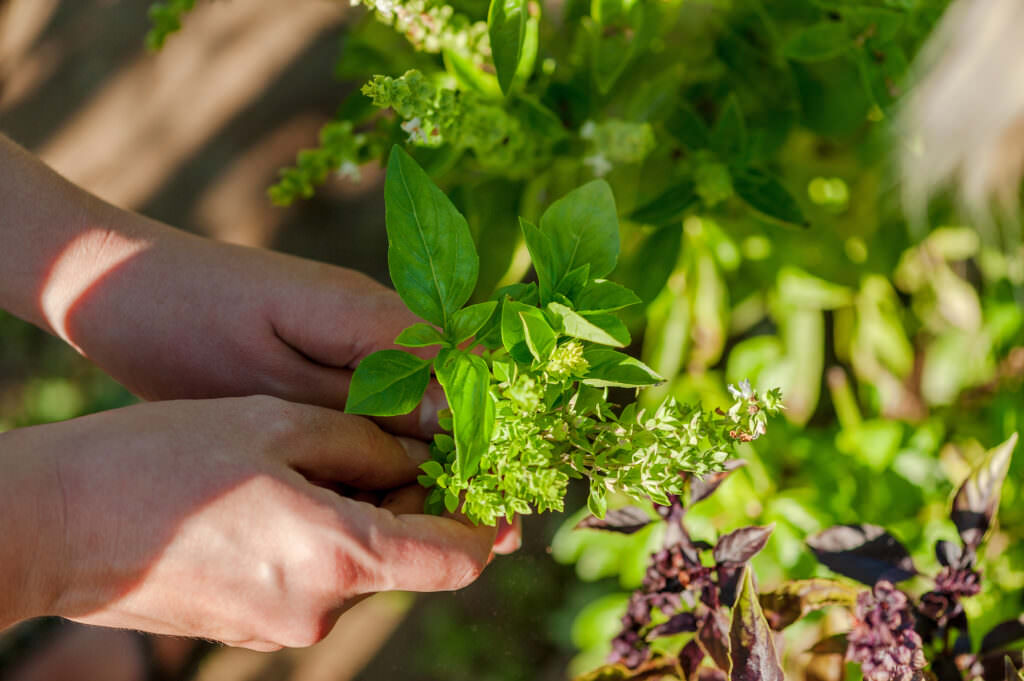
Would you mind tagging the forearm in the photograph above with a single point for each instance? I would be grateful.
(58, 240)
(31, 518)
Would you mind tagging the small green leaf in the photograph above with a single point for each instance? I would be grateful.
(609, 368)
(583, 227)
(689, 128)
(765, 194)
(466, 383)
(545, 259)
(469, 320)
(506, 25)
(469, 76)
(819, 42)
(597, 502)
(451, 501)
(603, 328)
(432, 469)
(420, 336)
(573, 282)
(601, 295)
(513, 335)
(431, 256)
(668, 206)
(540, 337)
(729, 137)
(387, 383)
(751, 642)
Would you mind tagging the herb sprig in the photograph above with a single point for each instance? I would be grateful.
(528, 396)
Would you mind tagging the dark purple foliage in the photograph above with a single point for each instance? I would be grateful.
(626, 520)
(1002, 635)
(702, 488)
(863, 552)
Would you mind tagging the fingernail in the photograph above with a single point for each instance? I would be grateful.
(416, 450)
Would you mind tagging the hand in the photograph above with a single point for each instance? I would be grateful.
(198, 518)
(186, 317)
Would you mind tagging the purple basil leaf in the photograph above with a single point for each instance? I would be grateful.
(978, 498)
(1002, 635)
(830, 645)
(866, 553)
(728, 582)
(690, 658)
(741, 545)
(626, 520)
(711, 674)
(677, 624)
(944, 668)
(751, 639)
(713, 636)
(702, 488)
(793, 600)
(947, 553)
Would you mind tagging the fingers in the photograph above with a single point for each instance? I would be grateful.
(406, 500)
(509, 535)
(416, 552)
(326, 445)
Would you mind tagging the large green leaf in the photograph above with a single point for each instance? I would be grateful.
(387, 383)
(506, 25)
(468, 320)
(583, 228)
(602, 295)
(431, 257)
(466, 383)
(544, 258)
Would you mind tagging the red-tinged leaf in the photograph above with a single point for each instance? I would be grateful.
(661, 668)
(690, 658)
(793, 600)
(711, 674)
(626, 520)
(713, 636)
(994, 666)
(729, 581)
(977, 499)
(702, 488)
(1002, 635)
(741, 545)
(866, 553)
(830, 645)
(677, 624)
(751, 639)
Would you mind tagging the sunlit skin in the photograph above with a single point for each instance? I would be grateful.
(198, 517)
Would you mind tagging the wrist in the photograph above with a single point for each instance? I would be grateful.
(31, 514)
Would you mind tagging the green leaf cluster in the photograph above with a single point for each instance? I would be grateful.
(528, 397)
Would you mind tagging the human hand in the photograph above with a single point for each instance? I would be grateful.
(198, 518)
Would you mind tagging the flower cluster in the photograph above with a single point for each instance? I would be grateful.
(433, 26)
(942, 604)
(883, 640)
(339, 152)
(501, 136)
(615, 141)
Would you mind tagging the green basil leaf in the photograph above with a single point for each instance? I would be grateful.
(689, 128)
(601, 295)
(819, 42)
(573, 282)
(419, 336)
(668, 206)
(540, 337)
(506, 25)
(597, 502)
(469, 320)
(606, 329)
(544, 258)
(387, 383)
(431, 257)
(489, 335)
(432, 469)
(583, 227)
(469, 76)
(765, 194)
(513, 335)
(614, 33)
(729, 137)
(609, 368)
(466, 383)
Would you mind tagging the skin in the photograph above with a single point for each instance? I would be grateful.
(197, 516)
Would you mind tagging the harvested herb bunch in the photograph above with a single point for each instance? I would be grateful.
(528, 395)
